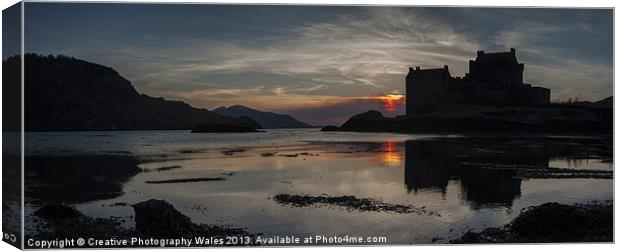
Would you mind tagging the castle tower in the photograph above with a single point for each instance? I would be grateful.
(497, 68)
(493, 78)
(426, 89)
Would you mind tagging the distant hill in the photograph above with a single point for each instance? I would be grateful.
(64, 93)
(605, 103)
(266, 119)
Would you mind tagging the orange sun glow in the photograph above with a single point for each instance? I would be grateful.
(391, 101)
(391, 156)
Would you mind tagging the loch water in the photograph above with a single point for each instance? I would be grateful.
(469, 181)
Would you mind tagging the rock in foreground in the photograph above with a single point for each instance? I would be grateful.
(153, 218)
(57, 211)
(551, 222)
(158, 218)
(63, 221)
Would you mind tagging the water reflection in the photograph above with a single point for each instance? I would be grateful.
(431, 164)
(77, 179)
(391, 156)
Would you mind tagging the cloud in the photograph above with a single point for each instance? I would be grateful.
(555, 60)
(326, 71)
(354, 56)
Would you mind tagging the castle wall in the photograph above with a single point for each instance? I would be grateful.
(426, 92)
(494, 77)
(539, 95)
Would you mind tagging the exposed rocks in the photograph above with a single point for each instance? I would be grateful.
(118, 204)
(544, 172)
(350, 203)
(160, 169)
(293, 155)
(551, 222)
(57, 211)
(230, 152)
(153, 218)
(185, 180)
(158, 218)
(231, 173)
(62, 221)
(166, 168)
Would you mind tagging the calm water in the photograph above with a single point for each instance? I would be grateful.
(421, 170)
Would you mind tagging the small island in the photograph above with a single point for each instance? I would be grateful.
(210, 128)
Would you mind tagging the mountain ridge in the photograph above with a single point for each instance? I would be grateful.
(268, 120)
(63, 93)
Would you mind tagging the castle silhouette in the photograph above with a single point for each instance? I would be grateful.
(493, 78)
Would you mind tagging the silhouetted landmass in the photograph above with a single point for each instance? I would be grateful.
(492, 97)
(603, 103)
(552, 222)
(65, 93)
(209, 128)
(266, 119)
(505, 119)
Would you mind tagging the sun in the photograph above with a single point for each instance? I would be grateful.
(390, 101)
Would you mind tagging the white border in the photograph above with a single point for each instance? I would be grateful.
(479, 3)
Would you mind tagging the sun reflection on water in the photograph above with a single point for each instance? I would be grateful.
(391, 155)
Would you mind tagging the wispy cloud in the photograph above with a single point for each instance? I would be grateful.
(345, 60)
(555, 60)
(354, 56)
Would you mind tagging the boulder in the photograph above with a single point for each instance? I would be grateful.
(158, 218)
(55, 211)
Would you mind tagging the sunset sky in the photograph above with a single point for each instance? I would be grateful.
(320, 64)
